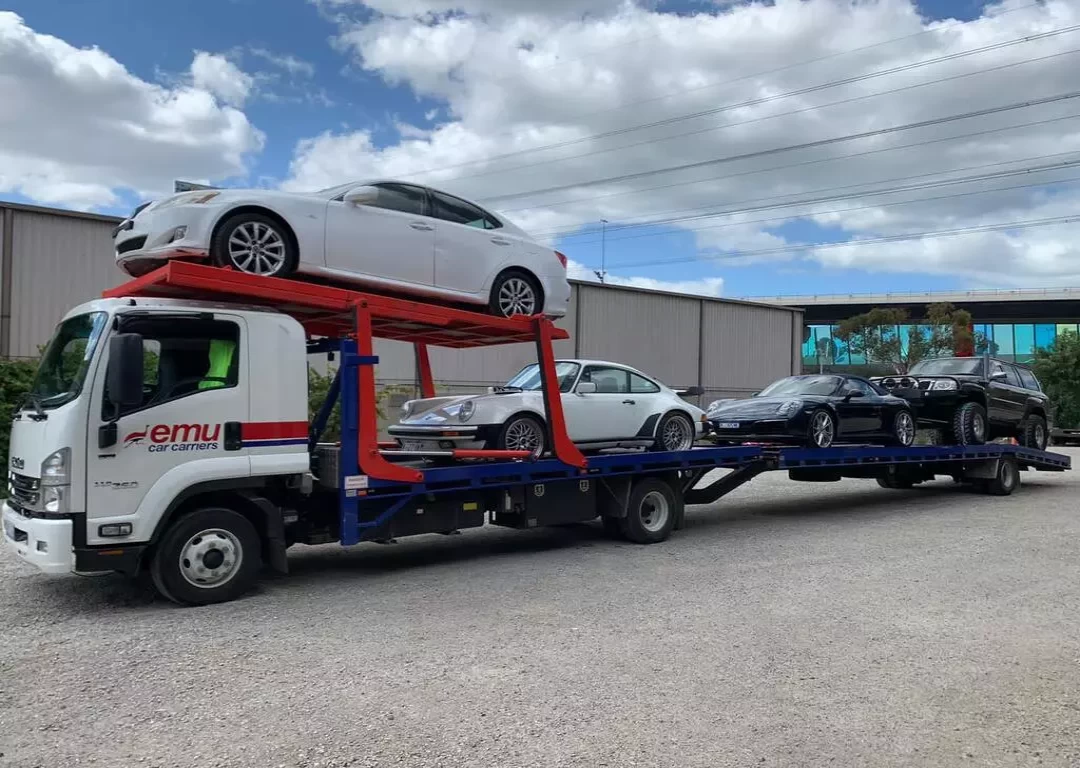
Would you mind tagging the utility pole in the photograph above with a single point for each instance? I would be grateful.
(602, 272)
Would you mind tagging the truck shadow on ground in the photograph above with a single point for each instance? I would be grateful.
(309, 566)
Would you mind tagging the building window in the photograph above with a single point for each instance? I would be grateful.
(1065, 328)
(1025, 342)
(1044, 335)
(1003, 338)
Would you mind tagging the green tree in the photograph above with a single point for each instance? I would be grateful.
(825, 349)
(16, 377)
(1058, 369)
(876, 335)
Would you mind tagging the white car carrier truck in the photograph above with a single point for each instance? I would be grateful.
(167, 433)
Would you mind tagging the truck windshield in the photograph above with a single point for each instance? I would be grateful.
(529, 377)
(63, 367)
(948, 365)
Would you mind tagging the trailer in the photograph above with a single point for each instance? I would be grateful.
(201, 505)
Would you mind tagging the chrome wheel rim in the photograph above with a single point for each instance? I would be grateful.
(256, 248)
(822, 429)
(978, 427)
(677, 435)
(524, 435)
(654, 511)
(517, 297)
(905, 428)
(210, 558)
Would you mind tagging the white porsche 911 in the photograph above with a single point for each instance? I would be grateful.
(606, 405)
(388, 235)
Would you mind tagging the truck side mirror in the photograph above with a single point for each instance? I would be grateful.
(997, 376)
(124, 381)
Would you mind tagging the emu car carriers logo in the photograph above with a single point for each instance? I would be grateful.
(176, 437)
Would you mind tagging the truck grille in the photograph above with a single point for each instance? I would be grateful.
(25, 491)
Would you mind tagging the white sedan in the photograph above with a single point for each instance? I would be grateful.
(387, 235)
(606, 405)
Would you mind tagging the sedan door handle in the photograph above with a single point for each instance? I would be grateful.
(629, 402)
(500, 241)
(421, 226)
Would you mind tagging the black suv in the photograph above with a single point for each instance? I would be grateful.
(975, 399)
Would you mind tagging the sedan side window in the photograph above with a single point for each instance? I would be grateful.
(458, 211)
(608, 380)
(400, 197)
(639, 385)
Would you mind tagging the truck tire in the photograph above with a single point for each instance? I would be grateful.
(894, 483)
(969, 424)
(651, 512)
(1005, 481)
(1034, 433)
(210, 555)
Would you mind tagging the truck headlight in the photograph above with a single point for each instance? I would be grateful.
(467, 410)
(56, 481)
(55, 469)
(943, 385)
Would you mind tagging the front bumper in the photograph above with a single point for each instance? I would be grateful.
(146, 241)
(931, 406)
(44, 543)
(442, 438)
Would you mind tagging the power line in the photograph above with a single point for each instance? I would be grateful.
(850, 209)
(707, 86)
(785, 166)
(765, 100)
(805, 145)
(766, 204)
(1027, 224)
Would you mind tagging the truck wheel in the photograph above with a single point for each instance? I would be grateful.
(208, 556)
(650, 512)
(1034, 433)
(969, 424)
(1006, 481)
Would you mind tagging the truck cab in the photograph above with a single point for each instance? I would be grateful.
(142, 407)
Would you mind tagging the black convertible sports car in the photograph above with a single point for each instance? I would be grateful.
(816, 410)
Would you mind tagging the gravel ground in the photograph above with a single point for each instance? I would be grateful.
(789, 625)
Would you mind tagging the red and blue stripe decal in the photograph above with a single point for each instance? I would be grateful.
(262, 434)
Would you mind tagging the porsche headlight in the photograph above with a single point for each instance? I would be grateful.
(789, 408)
(467, 410)
(943, 385)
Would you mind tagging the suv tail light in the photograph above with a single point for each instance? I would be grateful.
(562, 258)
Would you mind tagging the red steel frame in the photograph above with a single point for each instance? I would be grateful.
(328, 311)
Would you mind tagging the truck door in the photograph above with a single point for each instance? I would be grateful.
(195, 384)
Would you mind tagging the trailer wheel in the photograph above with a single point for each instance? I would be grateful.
(1005, 481)
(211, 555)
(895, 483)
(651, 512)
(969, 424)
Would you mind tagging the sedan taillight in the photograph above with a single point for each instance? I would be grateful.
(562, 258)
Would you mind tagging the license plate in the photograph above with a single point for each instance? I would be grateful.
(419, 445)
(728, 425)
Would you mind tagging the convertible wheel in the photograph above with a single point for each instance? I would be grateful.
(522, 433)
(822, 429)
(675, 433)
(256, 244)
(515, 293)
(904, 428)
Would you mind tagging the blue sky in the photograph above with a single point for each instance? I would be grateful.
(156, 42)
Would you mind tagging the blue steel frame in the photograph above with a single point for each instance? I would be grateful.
(393, 496)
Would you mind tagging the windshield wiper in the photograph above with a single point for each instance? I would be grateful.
(34, 401)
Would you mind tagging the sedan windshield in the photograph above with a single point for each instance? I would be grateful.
(947, 366)
(801, 385)
(529, 377)
(63, 367)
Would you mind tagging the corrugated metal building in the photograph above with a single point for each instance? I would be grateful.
(51, 260)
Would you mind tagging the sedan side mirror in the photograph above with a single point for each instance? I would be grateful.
(586, 388)
(362, 195)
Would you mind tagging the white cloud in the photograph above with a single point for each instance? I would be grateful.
(706, 286)
(509, 79)
(214, 73)
(76, 127)
(294, 66)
